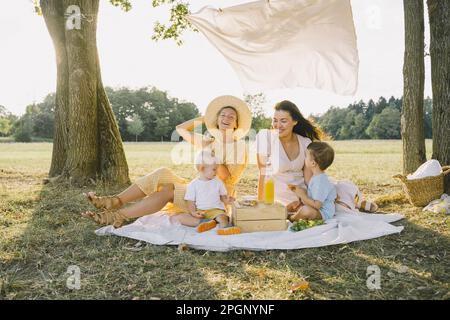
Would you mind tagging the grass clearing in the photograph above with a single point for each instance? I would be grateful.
(41, 235)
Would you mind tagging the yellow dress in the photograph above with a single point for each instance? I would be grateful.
(235, 162)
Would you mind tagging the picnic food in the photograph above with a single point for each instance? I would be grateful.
(229, 231)
(205, 226)
(249, 201)
(305, 224)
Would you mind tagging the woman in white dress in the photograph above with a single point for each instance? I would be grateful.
(281, 152)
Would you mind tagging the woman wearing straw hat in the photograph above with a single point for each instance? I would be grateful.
(228, 119)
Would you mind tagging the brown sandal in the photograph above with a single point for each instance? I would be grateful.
(109, 202)
(107, 217)
(367, 206)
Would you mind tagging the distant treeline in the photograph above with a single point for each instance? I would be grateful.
(149, 114)
(371, 120)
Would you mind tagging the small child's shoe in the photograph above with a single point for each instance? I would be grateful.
(229, 231)
(207, 225)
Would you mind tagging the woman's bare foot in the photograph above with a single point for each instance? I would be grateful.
(109, 202)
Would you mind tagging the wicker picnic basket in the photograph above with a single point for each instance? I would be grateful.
(421, 192)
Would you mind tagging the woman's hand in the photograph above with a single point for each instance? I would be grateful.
(186, 130)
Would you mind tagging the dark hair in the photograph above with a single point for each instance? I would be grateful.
(322, 153)
(304, 127)
(232, 108)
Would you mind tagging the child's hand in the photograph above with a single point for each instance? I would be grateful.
(198, 214)
(228, 199)
(300, 192)
(293, 206)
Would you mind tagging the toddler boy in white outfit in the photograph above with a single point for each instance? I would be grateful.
(206, 197)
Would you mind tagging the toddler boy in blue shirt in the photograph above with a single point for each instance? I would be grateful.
(318, 200)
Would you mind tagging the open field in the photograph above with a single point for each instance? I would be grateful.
(41, 235)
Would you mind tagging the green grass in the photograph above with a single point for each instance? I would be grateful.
(41, 235)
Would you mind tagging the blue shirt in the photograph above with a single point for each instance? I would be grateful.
(321, 189)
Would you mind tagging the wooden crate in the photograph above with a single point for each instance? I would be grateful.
(260, 218)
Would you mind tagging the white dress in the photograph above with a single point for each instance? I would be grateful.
(283, 170)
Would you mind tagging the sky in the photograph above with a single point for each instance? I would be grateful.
(196, 71)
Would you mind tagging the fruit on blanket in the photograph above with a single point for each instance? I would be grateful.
(229, 231)
(205, 226)
(305, 224)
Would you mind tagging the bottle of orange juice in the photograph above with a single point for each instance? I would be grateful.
(269, 187)
(269, 190)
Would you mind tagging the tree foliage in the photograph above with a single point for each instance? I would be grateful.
(135, 126)
(172, 29)
(159, 113)
(256, 104)
(7, 120)
(371, 120)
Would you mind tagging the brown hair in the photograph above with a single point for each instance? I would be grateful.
(322, 153)
(304, 127)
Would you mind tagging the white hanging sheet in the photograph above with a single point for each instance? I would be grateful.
(286, 43)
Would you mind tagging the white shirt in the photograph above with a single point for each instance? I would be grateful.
(206, 193)
(284, 171)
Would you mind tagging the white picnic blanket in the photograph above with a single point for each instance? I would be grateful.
(347, 226)
(286, 43)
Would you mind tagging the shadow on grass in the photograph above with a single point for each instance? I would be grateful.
(414, 265)
(54, 237)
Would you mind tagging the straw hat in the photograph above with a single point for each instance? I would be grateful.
(244, 115)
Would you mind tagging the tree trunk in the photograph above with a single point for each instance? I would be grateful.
(54, 19)
(412, 127)
(439, 16)
(87, 142)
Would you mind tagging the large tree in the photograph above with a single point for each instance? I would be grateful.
(412, 127)
(439, 16)
(87, 144)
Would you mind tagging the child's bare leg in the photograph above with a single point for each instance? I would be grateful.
(185, 219)
(224, 226)
(306, 213)
(223, 221)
